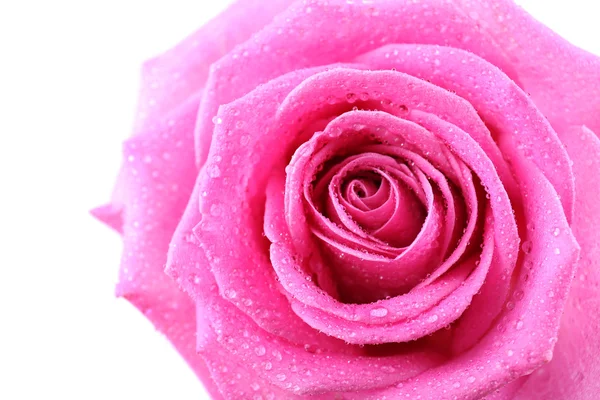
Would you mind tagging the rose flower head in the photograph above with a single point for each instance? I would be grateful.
(369, 199)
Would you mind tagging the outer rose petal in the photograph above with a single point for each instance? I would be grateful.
(171, 78)
(318, 32)
(574, 371)
(563, 80)
(232, 377)
(178, 76)
(157, 180)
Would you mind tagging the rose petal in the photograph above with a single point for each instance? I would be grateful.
(563, 80)
(296, 283)
(193, 267)
(515, 119)
(233, 377)
(441, 314)
(304, 370)
(111, 214)
(573, 372)
(153, 204)
(169, 79)
(420, 98)
(297, 369)
(524, 336)
(230, 227)
(329, 35)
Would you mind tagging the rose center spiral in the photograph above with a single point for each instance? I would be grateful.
(377, 201)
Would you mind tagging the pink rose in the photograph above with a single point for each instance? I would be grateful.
(369, 199)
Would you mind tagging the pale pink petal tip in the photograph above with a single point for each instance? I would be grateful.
(110, 214)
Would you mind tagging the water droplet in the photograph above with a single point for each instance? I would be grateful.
(255, 386)
(556, 231)
(471, 379)
(260, 350)
(268, 366)
(217, 120)
(195, 279)
(557, 251)
(510, 305)
(280, 377)
(214, 171)
(519, 295)
(230, 293)
(526, 246)
(510, 353)
(519, 325)
(379, 312)
(456, 385)
(216, 210)
(277, 355)
(550, 294)
(433, 318)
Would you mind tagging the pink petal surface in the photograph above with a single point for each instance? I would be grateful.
(572, 374)
(305, 371)
(399, 308)
(333, 235)
(523, 336)
(171, 78)
(563, 80)
(441, 314)
(329, 35)
(505, 108)
(189, 266)
(277, 363)
(156, 188)
(369, 323)
(177, 77)
(232, 248)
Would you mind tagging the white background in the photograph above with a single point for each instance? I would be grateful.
(68, 83)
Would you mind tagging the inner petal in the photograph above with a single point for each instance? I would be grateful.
(394, 215)
(366, 185)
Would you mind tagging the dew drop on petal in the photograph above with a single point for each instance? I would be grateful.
(214, 171)
(379, 312)
(433, 318)
(556, 231)
(260, 350)
(519, 325)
